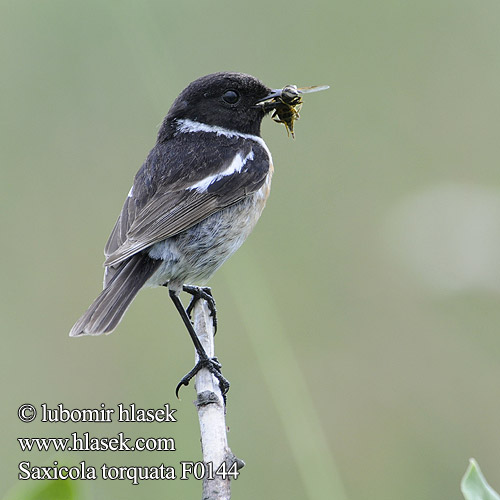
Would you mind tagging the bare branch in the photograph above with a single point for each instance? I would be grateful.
(212, 415)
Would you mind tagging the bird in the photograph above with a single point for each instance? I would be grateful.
(193, 202)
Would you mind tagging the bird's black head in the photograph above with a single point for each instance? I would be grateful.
(222, 99)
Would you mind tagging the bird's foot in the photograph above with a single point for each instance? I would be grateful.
(205, 293)
(214, 367)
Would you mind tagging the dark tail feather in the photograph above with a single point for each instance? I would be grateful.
(108, 309)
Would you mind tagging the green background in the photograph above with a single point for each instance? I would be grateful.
(359, 324)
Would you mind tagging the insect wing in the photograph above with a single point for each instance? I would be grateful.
(314, 88)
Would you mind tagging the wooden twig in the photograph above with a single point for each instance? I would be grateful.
(221, 464)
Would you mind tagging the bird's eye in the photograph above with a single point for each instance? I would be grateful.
(231, 97)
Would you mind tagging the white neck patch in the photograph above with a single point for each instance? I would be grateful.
(190, 126)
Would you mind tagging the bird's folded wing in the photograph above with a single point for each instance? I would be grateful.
(168, 213)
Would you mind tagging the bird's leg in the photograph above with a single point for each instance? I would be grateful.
(211, 364)
(205, 293)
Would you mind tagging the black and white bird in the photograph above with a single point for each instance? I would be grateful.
(193, 203)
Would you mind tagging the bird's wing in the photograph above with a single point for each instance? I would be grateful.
(184, 201)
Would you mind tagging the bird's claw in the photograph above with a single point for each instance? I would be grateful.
(205, 293)
(214, 367)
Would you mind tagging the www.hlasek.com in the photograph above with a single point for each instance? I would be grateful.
(120, 442)
(86, 442)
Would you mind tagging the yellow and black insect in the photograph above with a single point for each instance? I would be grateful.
(286, 103)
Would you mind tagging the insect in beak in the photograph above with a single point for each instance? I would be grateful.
(286, 104)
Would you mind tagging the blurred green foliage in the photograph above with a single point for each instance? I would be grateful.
(46, 490)
(358, 324)
(474, 485)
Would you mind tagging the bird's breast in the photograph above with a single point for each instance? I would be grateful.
(192, 256)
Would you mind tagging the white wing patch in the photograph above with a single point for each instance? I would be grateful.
(235, 166)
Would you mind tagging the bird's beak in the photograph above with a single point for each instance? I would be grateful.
(274, 93)
(267, 103)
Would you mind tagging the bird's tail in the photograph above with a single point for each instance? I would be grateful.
(108, 309)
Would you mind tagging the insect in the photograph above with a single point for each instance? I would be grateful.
(287, 102)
